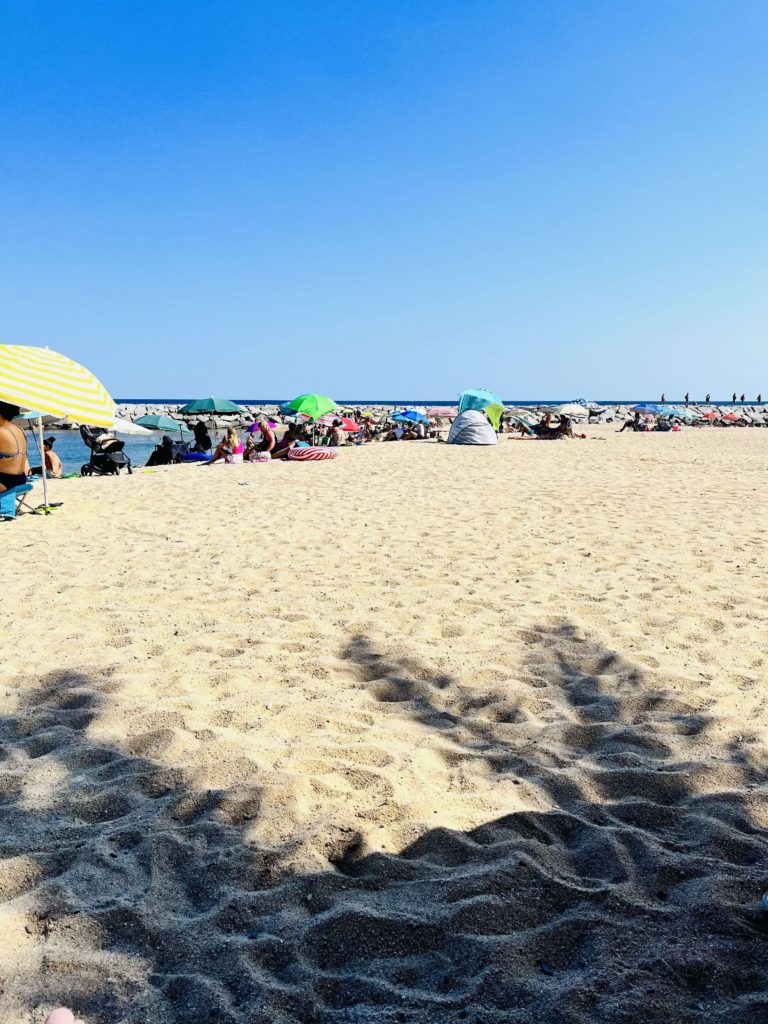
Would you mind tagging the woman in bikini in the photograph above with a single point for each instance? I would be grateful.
(13, 449)
(230, 449)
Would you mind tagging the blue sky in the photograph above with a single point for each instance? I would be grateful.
(553, 199)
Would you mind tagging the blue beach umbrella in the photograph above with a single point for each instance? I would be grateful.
(410, 416)
(649, 408)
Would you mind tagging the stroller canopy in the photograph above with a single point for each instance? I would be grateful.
(471, 427)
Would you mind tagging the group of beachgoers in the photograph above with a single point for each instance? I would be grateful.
(546, 429)
(735, 399)
(262, 443)
(645, 424)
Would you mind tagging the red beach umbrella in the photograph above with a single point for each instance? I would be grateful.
(347, 423)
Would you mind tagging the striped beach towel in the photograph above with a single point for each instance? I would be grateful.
(311, 454)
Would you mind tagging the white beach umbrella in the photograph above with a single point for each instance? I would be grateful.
(572, 409)
(127, 427)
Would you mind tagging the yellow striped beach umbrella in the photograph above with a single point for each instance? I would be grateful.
(38, 378)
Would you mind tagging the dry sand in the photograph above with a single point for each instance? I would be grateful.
(423, 734)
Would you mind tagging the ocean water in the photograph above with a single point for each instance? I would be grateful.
(73, 453)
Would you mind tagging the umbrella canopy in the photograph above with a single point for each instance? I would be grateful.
(38, 378)
(572, 409)
(312, 406)
(410, 416)
(27, 419)
(214, 405)
(494, 413)
(529, 421)
(159, 423)
(648, 407)
(477, 398)
(681, 414)
(442, 410)
(347, 423)
(127, 427)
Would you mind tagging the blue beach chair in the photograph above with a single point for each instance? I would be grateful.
(13, 499)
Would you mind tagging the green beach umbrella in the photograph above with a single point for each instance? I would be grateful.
(311, 406)
(494, 412)
(209, 405)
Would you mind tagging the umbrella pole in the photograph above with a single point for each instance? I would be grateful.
(42, 462)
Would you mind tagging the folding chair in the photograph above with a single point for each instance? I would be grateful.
(14, 500)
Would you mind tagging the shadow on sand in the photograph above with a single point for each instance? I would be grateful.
(633, 895)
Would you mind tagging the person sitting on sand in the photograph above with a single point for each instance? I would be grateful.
(336, 435)
(230, 449)
(53, 465)
(633, 424)
(293, 437)
(268, 438)
(544, 427)
(13, 449)
(203, 443)
(162, 454)
(565, 429)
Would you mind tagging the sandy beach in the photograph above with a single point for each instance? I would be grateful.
(424, 734)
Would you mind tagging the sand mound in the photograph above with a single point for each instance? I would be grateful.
(280, 766)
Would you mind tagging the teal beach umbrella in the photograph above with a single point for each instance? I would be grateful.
(160, 423)
(477, 398)
(209, 405)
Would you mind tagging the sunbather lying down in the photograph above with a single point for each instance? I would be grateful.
(62, 1016)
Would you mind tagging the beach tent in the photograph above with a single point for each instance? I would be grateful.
(471, 427)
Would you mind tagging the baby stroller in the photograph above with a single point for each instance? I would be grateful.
(107, 455)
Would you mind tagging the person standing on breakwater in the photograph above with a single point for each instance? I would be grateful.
(687, 397)
(706, 399)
